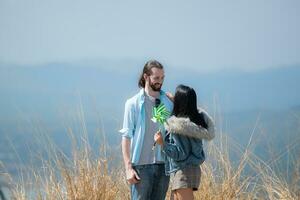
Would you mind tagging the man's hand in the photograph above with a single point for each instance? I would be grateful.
(158, 138)
(131, 176)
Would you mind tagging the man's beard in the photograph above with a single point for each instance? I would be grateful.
(155, 86)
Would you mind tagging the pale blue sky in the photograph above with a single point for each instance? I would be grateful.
(207, 35)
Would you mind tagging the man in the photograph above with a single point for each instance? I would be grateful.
(144, 165)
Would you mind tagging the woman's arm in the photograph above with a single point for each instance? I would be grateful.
(178, 149)
(197, 147)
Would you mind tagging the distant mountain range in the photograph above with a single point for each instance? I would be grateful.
(42, 88)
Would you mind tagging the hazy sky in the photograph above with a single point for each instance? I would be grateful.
(210, 35)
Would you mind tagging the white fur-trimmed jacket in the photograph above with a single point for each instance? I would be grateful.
(183, 142)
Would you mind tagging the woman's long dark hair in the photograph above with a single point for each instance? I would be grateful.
(185, 105)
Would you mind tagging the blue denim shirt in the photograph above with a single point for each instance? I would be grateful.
(134, 123)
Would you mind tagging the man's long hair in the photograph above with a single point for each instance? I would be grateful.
(147, 70)
(185, 105)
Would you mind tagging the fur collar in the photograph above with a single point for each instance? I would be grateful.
(184, 126)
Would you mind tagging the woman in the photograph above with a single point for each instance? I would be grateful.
(183, 143)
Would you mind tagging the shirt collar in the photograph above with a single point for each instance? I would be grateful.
(142, 95)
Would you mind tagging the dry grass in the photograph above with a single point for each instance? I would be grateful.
(85, 176)
(250, 178)
(79, 177)
(82, 177)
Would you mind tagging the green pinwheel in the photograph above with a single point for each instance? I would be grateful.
(160, 114)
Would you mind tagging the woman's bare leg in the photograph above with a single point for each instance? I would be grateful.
(184, 194)
(172, 197)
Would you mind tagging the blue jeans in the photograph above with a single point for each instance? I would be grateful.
(153, 184)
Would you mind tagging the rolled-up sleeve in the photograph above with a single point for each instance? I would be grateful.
(129, 120)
